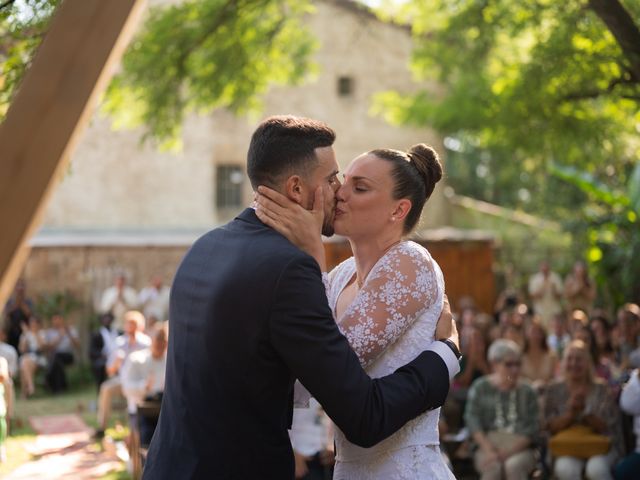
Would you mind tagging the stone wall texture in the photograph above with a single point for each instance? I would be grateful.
(115, 182)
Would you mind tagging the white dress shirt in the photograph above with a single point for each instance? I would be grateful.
(138, 370)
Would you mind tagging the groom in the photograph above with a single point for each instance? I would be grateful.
(249, 315)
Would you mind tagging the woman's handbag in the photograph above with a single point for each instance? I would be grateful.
(578, 441)
(500, 439)
(503, 439)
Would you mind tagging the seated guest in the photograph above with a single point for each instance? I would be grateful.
(577, 320)
(16, 312)
(559, 337)
(601, 328)
(579, 398)
(629, 332)
(5, 407)
(10, 355)
(312, 442)
(103, 343)
(502, 417)
(152, 322)
(61, 341)
(33, 344)
(515, 333)
(539, 364)
(473, 365)
(602, 366)
(131, 341)
(142, 377)
(629, 467)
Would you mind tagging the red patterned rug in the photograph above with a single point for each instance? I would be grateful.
(56, 424)
(63, 449)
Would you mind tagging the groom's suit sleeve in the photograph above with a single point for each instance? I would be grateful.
(307, 338)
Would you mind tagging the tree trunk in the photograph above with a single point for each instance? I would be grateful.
(623, 28)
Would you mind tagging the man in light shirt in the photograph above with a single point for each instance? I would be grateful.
(143, 376)
(131, 341)
(154, 299)
(118, 299)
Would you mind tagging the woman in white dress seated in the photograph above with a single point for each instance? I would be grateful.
(386, 299)
(32, 347)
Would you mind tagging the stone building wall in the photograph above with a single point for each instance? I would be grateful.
(115, 183)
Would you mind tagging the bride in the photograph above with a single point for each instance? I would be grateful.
(386, 298)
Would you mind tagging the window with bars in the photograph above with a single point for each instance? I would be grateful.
(229, 181)
(345, 86)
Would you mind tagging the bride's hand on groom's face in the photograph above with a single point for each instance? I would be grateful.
(302, 227)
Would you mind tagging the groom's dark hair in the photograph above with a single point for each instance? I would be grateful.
(285, 144)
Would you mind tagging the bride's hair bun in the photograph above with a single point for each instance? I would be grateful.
(415, 174)
(425, 159)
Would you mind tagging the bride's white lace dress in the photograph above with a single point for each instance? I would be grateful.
(391, 320)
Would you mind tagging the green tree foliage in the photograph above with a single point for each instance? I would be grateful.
(609, 225)
(533, 87)
(526, 83)
(22, 27)
(204, 54)
(193, 56)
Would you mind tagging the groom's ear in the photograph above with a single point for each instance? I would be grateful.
(294, 189)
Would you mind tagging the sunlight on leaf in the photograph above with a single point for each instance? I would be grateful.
(594, 255)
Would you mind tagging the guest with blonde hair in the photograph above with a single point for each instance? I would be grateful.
(131, 341)
(578, 398)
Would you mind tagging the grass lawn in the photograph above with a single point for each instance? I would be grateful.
(80, 399)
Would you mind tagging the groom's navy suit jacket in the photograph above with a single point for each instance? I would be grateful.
(249, 315)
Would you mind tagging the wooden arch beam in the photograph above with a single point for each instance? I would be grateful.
(53, 105)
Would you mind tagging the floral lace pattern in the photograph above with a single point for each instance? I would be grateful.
(410, 463)
(400, 288)
(391, 320)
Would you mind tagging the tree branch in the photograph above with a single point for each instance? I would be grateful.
(227, 11)
(597, 93)
(7, 42)
(6, 4)
(623, 28)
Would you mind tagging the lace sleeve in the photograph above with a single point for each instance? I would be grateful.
(326, 283)
(398, 290)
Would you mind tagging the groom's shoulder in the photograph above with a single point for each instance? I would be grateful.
(247, 236)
